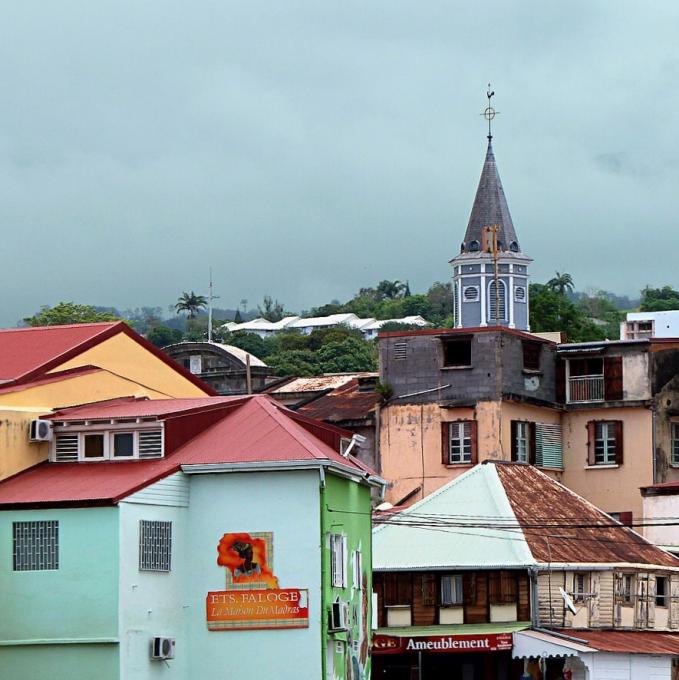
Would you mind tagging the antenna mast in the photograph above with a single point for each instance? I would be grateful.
(210, 298)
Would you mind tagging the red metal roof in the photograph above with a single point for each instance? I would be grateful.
(256, 430)
(560, 526)
(662, 489)
(342, 404)
(631, 641)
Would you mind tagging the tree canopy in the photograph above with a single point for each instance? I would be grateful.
(659, 299)
(69, 313)
(190, 303)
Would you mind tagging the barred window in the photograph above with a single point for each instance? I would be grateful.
(155, 545)
(36, 545)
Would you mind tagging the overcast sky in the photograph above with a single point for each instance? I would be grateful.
(306, 149)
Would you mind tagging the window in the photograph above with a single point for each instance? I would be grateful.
(675, 443)
(502, 587)
(514, 246)
(580, 585)
(112, 445)
(627, 588)
(357, 564)
(398, 589)
(155, 545)
(457, 352)
(470, 293)
(459, 442)
(338, 567)
(605, 442)
(519, 294)
(522, 441)
(123, 444)
(451, 591)
(35, 545)
(498, 302)
(531, 355)
(400, 350)
(661, 591)
(548, 446)
(474, 246)
(93, 446)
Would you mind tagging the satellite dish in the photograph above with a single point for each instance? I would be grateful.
(568, 600)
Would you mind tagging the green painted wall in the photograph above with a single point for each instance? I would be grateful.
(59, 662)
(346, 509)
(80, 599)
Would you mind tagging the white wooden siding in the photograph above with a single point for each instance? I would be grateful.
(173, 491)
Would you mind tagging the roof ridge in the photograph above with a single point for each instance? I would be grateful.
(60, 326)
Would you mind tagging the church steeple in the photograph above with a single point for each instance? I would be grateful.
(490, 274)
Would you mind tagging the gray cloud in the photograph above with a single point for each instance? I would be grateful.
(308, 149)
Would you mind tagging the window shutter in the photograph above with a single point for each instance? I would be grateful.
(514, 429)
(532, 443)
(591, 436)
(560, 379)
(344, 561)
(445, 443)
(618, 442)
(473, 429)
(612, 378)
(626, 518)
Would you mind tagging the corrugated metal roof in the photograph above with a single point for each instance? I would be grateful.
(317, 383)
(241, 354)
(476, 493)
(457, 629)
(537, 499)
(256, 430)
(343, 403)
(631, 641)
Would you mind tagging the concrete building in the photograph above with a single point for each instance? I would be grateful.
(644, 325)
(184, 539)
(505, 574)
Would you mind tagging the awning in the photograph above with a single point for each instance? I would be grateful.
(491, 637)
(536, 644)
(630, 641)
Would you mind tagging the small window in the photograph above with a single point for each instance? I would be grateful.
(35, 545)
(580, 586)
(470, 293)
(460, 442)
(151, 444)
(514, 246)
(661, 591)
(605, 444)
(400, 350)
(93, 446)
(65, 448)
(451, 591)
(457, 352)
(338, 552)
(123, 444)
(627, 588)
(520, 294)
(357, 568)
(675, 443)
(474, 246)
(522, 437)
(155, 545)
(531, 355)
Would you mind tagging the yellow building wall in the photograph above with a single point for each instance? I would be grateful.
(122, 355)
(613, 489)
(16, 452)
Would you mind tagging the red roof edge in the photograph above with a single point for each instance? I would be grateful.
(465, 331)
(108, 331)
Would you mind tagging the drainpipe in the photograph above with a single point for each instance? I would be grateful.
(653, 440)
(534, 603)
(324, 618)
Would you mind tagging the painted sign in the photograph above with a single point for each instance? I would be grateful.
(248, 558)
(391, 644)
(253, 609)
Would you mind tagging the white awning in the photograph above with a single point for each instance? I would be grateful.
(535, 644)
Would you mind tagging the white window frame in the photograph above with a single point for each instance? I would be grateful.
(628, 589)
(674, 436)
(451, 591)
(665, 597)
(604, 434)
(108, 431)
(459, 442)
(35, 545)
(516, 297)
(477, 294)
(580, 587)
(522, 441)
(338, 560)
(158, 535)
(503, 301)
(357, 568)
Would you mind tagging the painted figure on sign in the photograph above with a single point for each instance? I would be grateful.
(248, 568)
(247, 558)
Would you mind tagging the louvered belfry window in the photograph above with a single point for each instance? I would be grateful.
(155, 545)
(35, 545)
(499, 301)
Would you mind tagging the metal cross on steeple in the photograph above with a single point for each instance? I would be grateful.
(489, 112)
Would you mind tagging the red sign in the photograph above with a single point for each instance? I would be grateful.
(251, 609)
(391, 644)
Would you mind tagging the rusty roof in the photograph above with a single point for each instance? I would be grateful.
(317, 383)
(562, 527)
(343, 403)
(631, 641)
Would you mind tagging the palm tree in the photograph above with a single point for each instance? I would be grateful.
(191, 303)
(391, 289)
(561, 283)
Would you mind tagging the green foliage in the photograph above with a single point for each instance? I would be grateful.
(395, 326)
(190, 303)
(385, 390)
(238, 318)
(295, 362)
(561, 283)
(196, 330)
(251, 342)
(161, 336)
(440, 296)
(659, 299)
(68, 313)
(271, 309)
(348, 355)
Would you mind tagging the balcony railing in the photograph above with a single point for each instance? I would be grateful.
(584, 388)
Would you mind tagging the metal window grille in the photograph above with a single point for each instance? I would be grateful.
(151, 444)
(155, 545)
(400, 350)
(66, 448)
(36, 545)
(548, 446)
(460, 442)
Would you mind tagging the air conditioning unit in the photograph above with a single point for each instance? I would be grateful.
(162, 648)
(41, 431)
(339, 615)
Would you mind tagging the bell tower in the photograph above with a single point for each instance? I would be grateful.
(490, 274)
